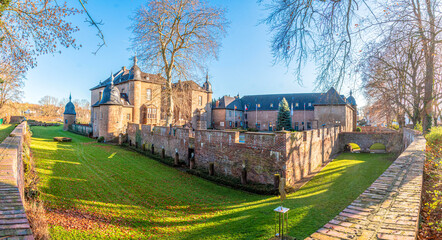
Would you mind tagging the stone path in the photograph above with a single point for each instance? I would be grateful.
(13, 221)
(389, 208)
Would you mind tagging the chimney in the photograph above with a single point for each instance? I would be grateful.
(217, 103)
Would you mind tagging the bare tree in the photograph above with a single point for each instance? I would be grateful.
(176, 38)
(29, 28)
(393, 72)
(333, 30)
(323, 29)
(11, 82)
(49, 106)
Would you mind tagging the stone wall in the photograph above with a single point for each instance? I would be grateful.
(389, 208)
(175, 140)
(409, 136)
(262, 154)
(14, 223)
(81, 129)
(308, 150)
(391, 140)
(293, 155)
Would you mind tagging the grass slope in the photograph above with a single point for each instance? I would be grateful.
(97, 191)
(5, 130)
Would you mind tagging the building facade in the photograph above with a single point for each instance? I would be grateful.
(307, 110)
(133, 96)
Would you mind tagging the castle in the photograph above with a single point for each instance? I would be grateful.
(308, 111)
(133, 96)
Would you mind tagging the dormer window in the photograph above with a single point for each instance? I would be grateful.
(296, 104)
(271, 105)
(309, 104)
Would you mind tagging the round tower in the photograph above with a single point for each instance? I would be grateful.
(69, 115)
(110, 124)
(352, 101)
(208, 87)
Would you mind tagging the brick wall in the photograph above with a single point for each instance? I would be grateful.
(262, 154)
(294, 155)
(175, 140)
(308, 150)
(14, 223)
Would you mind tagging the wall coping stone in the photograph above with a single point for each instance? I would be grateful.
(14, 224)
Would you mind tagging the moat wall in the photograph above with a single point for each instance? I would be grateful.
(293, 155)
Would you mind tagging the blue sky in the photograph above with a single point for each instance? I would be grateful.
(245, 63)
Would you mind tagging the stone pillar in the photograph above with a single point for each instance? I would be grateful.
(176, 159)
(244, 176)
(192, 163)
(276, 179)
(211, 169)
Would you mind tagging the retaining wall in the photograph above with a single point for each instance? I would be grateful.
(392, 140)
(308, 150)
(175, 140)
(13, 221)
(293, 155)
(389, 208)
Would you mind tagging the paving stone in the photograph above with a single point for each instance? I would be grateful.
(389, 208)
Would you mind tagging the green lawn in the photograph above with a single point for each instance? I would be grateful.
(354, 146)
(377, 146)
(98, 191)
(5, 130)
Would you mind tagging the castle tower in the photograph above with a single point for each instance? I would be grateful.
(69, 115)
(208, 87)
(135, 88)
(110, 125)
(352, 102)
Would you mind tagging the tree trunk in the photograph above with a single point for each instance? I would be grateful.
(429, 71)
(169, 99)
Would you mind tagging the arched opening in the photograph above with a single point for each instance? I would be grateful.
(352, 147)
(377, 148)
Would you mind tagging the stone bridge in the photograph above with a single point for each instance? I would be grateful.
(393, 141)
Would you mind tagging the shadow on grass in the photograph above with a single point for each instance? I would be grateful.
(139, 193)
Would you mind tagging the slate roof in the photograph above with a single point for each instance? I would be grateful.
(331, 97)
(111, 95)
(69, 108)
(271, 102)
(189, 84)
(125, 75)
(351, 100)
